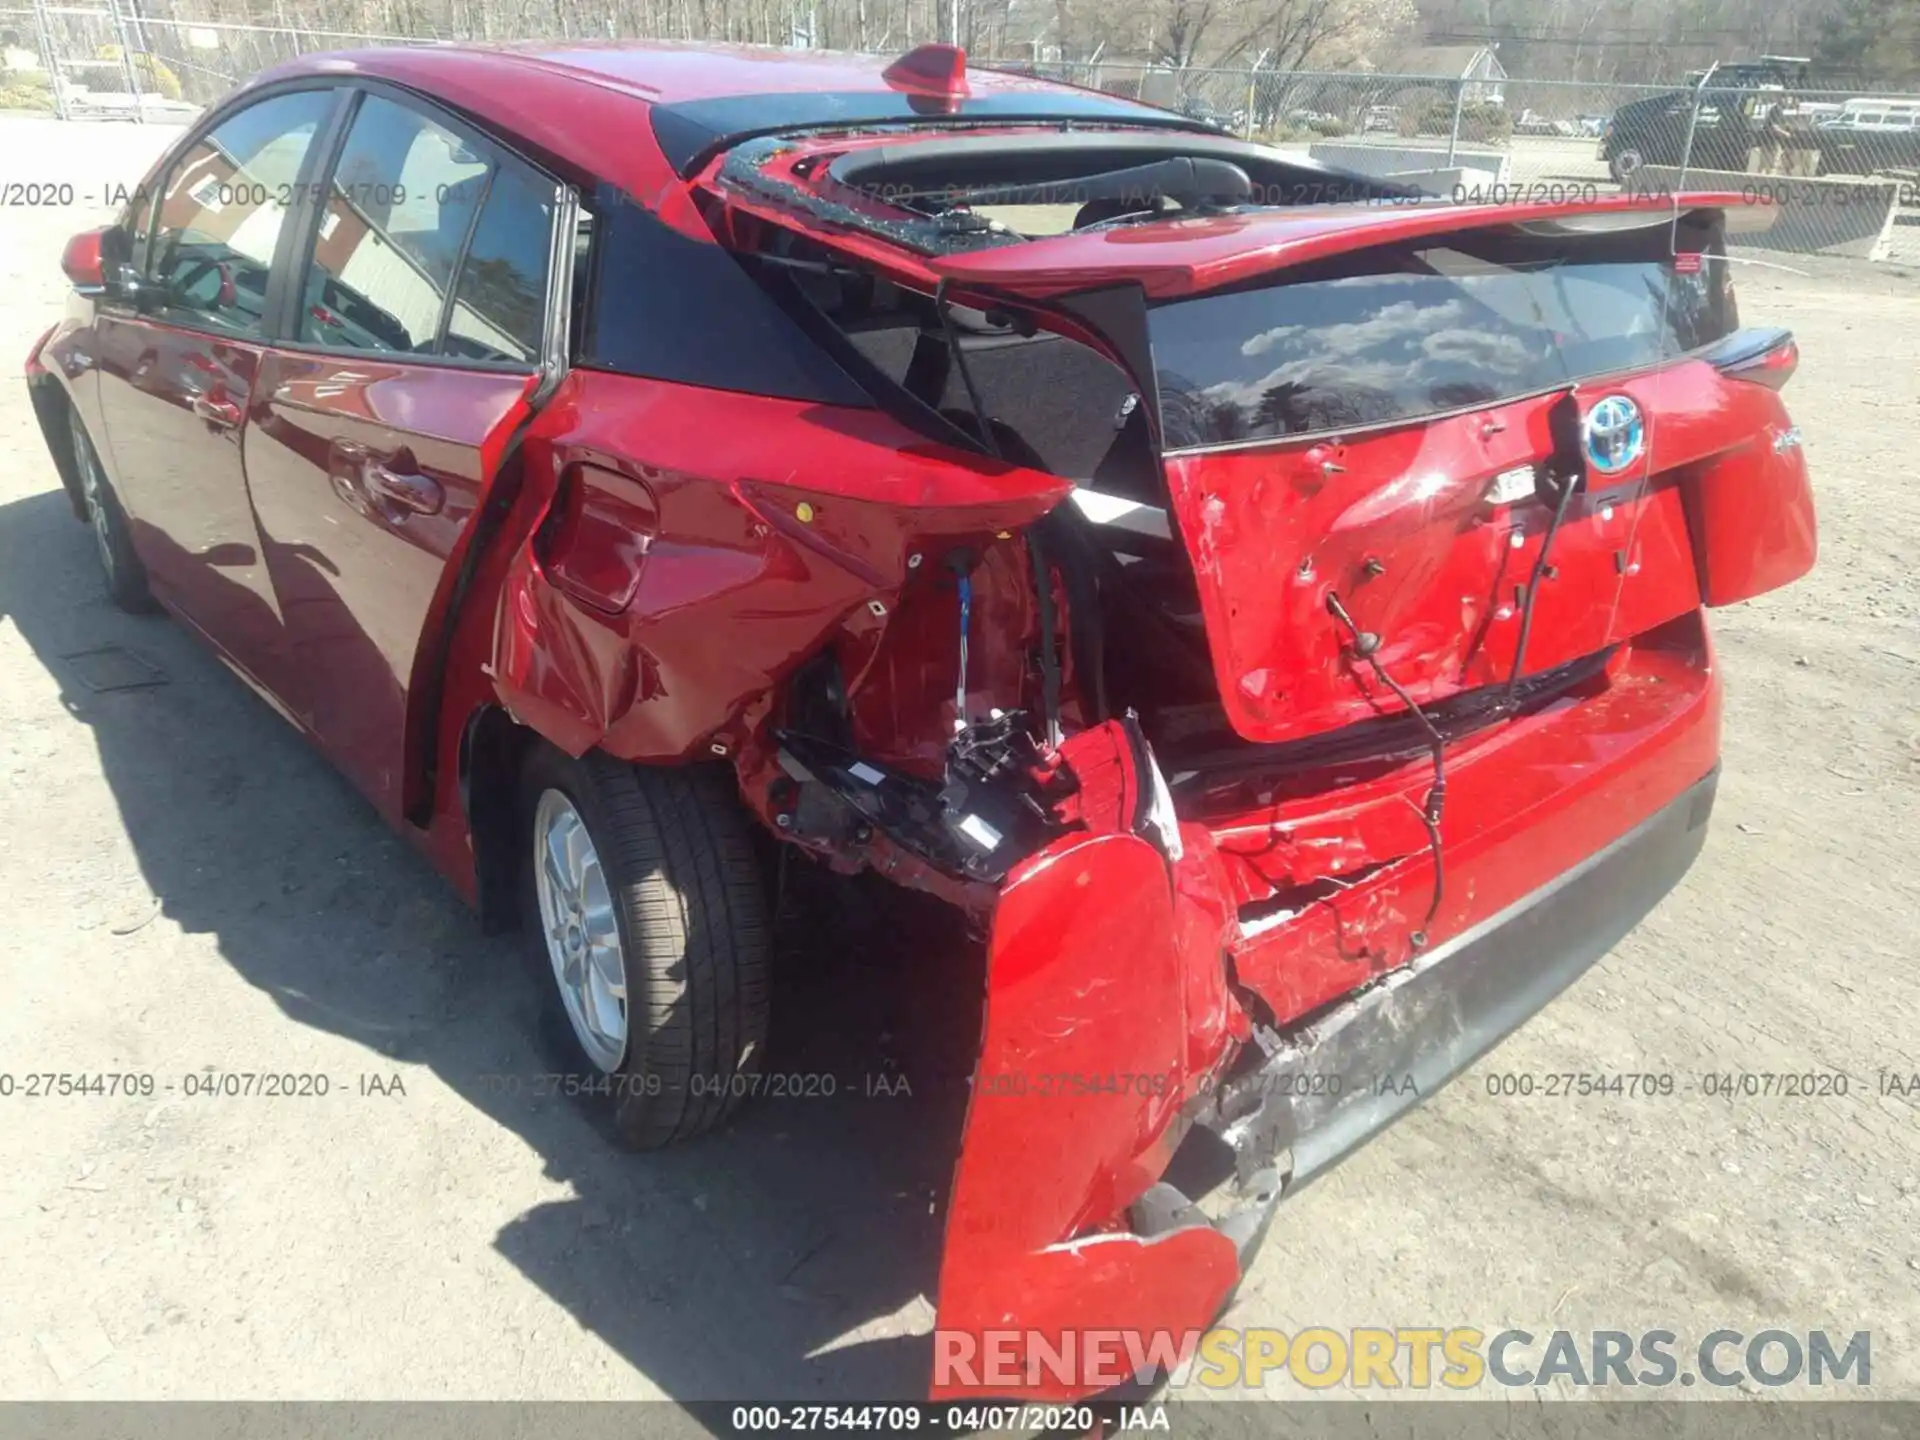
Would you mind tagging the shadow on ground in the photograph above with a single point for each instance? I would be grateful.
(778, 1259)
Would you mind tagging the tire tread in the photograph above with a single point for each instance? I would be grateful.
(687, 884)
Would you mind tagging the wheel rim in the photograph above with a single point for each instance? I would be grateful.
(91, 493)
(582, 935)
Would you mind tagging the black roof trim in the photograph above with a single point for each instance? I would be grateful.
(691, 133)
(667, 306)
(965, 159)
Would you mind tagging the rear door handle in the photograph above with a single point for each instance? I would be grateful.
(217, 409)
(418, 494)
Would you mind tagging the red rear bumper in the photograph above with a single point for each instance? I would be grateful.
(1066, 1257)
(1527, 801)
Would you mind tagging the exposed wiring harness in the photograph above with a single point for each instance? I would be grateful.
(1042, 574)
(1366, 645)
(987, 437)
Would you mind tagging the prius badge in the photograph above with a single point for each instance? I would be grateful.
(1613, 435)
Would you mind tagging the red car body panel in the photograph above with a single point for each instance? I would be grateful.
(724, 547)
(1179, 257)
(179, 400)
(394, 552)
(1523, 805)
(408, 451)
(1396, 523)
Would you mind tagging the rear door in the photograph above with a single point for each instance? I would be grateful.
(178, 362)
(416, 329)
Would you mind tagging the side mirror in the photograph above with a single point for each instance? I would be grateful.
(126, 284)
(85, 261)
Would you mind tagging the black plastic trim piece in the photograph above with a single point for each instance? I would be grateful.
(693, 132)
(1398, 736)
(668, 306)
(1744, 348)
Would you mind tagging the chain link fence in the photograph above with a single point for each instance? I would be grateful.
(1841, 168)
(107, 60)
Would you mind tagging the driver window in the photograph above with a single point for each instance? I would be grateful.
(221, 211)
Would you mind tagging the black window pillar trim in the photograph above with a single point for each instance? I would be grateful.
(502, 492)
(314, 189)
(558, 332)
(441, 326)
(285, 284)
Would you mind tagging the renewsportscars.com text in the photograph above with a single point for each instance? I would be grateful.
(1410, 1358)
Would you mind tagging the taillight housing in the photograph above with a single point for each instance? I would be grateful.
(1760, 357)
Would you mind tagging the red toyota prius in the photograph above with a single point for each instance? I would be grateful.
(1269, 601)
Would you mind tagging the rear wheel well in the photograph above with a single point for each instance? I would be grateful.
(493, 749)
(493, 752)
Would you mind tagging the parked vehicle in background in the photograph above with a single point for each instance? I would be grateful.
(1897, 116)
(1195, 108)
(1380, 118)
(1869, 136)
(1532, 122)
(1279, 625)
(1594, 125)
(1736, 104)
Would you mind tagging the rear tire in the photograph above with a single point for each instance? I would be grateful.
(643, 908)
(126, 577)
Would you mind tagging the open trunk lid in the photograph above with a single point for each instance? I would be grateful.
(1368, 422)
(1365, 415)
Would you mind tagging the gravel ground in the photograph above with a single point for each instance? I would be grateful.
(184, 885)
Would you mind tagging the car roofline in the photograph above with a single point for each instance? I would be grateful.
(691, 133)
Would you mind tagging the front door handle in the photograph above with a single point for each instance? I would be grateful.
(418, 494)
(216, 409)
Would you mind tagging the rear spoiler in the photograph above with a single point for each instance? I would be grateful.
(1177, 257)
(690, 134)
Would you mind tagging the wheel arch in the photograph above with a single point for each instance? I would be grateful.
(52, 406)
(493, 749)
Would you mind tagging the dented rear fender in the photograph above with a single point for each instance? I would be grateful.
(682, 551)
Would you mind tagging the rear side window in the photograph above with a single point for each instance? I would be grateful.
(428, 244)
(221, 210)
(499, 306)
(1461, 321)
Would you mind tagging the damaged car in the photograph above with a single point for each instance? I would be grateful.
(1268, 603)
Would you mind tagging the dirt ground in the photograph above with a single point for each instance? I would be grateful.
(184, 886)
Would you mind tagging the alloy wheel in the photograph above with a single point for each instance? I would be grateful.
(582, 934)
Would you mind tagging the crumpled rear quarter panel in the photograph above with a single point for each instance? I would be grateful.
(775, 524)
